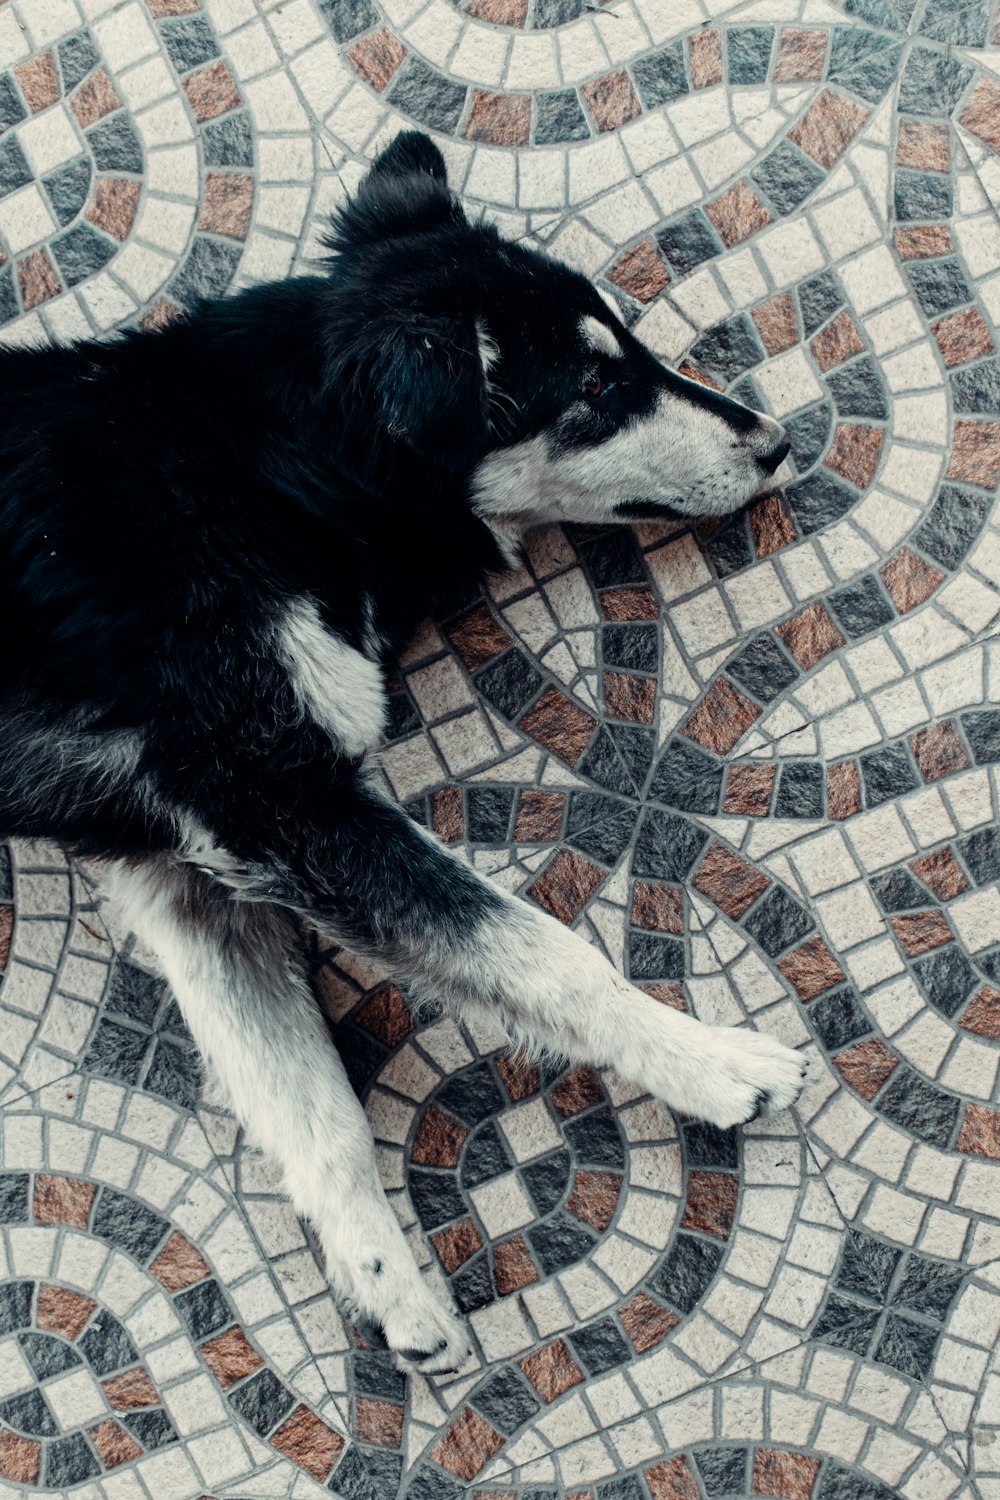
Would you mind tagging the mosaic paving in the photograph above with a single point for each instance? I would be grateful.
(757, 764)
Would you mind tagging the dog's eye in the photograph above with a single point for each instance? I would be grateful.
(593, 386)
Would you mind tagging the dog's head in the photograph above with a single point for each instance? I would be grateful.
(490, 357)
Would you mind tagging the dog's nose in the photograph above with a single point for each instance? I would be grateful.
(771, 462)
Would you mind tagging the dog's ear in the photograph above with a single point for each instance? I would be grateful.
(404, 191)
(430, 378)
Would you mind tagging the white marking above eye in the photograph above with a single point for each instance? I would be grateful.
(600, 337)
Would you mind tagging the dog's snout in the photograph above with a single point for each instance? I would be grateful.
(770, 462)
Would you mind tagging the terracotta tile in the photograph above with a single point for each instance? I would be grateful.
(500, 12)
(938, 751)
(980, 1131)
(836, 342)
(560, 725)
(866, 1066)
(843, 790)
(658, 908)
(640, 272)
(801, 55)
(827, 126)
(211, 91)
(729, 881)
(62, 1311)
(521, 1079)
(975, 453)
(159, 314)
(63, 1200)
(20, 1457)
(646, 1322)
(811, 969)
(629, 698)
(513, 1267)
(6, 933)
(39, 82)
(308, 1442)
(438, 1140)
(539, 817)
(611, 100)
(770, 525)
(455, 1244)
(982, 113)
(711, 1203)
(672, 1479)
(159, 8)
(114, 1445)
(810, 635)
(499, 119)
(576, 1090)
(37, 278)
(909, 579)
(478, 637)
(775, 322)
(921, 241)
(386, 1015)
(748, 790)
(230, 1356)
(566, 885)
(854, 452)
(178, 1264)
(962, 336)
(594, 1198)
(722, 716)
(552, 1370)
(941, 872)
(447, 814)
(706, 57)
(629, 604)
(130, 1390)
(94, 99)
(738, 213)
(377, 58)
(982, 1014)
(918, 932)
(226, 204)
(923, 144)
(113, 204)
(668, 994)
(379, 1422)
(786, 1476)
(691, 371)
(468, 1445)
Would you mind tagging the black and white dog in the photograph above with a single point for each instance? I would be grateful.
(213, 537)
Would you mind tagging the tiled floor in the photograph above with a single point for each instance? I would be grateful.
(758, 765)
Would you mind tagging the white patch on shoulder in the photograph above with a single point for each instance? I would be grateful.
(600, 337)
(337, 687)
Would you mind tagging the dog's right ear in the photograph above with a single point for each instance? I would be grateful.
(404, 191)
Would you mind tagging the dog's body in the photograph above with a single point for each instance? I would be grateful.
(213, 537)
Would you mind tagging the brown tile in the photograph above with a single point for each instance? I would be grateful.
(982, 113)
(748, 790)
(923, 144)
(566, 885)
(909, 579)
(668, 994)
(646, 1322)
(921, 241)
(379, 1422)
(810, 635)
(722, 716)
(594, 1198)
(513, 1267)
(62, 1311)
(962, 336)
(801, 55)
(468, 1445)
(539, 816)
(552, 1370)
(37, 278)
(178, 1264)
(836, 342)
(737, 214)
(376, 58)
(386, 1015)
(447, 814)
(941, 872)
(770, 525)
(39, 82)
(706, 57)
(438, 1140)
(691, 371)
(230, 1356)
(500, 12)
(114, 1445)
(728, 880)
(499, 119)
(6, 933)
(629, 698)
(843, 790)
(711, 1203)
(130, 1390)
(94, 99)
(658, 908)
(611, 100)
(641, 272)
(854, 452)
(559, 724)
(113, 204)
(827, 126)
(629, 604)
(786, 1476)
(159, 314)
(455, 1244)
(975, 453)
(519, 1078)
(478, 637)
(938, 751)
(226, 204)
(775, 322)
(982, 1014)
(980, 1131)
(20, 1457)
(63, 1200)
(811, 969)
(918, 932)
(672, 1479)
(866, 1066)
(211, 91)
(576, 1090)
(159, 8)
(308, 1442)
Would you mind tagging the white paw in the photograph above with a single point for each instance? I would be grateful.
(737, 1075)
(425, 1336)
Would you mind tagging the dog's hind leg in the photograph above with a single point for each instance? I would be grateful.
(238, 977)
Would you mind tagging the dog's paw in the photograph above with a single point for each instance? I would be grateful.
(739, 1074)
(426, 1337)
